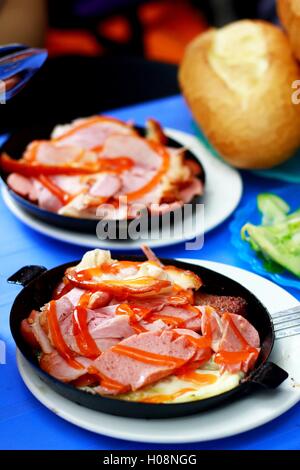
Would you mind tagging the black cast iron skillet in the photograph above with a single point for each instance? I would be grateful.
(38, 285)
(14, 146)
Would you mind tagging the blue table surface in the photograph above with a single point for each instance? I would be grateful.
(24, 422)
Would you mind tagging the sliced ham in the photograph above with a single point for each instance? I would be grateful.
(91, 132)
(46, 200)
(193, 188)
(26, 330)
(160, 316)
(185, 317)
(70, 184)
(73, 295)
(104, 326)
(106, 330)
(187, 332)
(152, 197)
(55, 365)
(136, 148)
(193, 324)
(156, 303)
(212, 326)
(203, 352)
(105, 185)
(50, 153)
(90, 193)
(133, 373)
(240, 342)
(115, 326)
(106, 343)
(230, 341)
(66, 328)
(40, 334)
(134, 179)
(64, 307)
(157, 325)
(22, 185)
(99, 299)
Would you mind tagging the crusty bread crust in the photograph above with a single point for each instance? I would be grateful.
(289, 14)
(261, 132)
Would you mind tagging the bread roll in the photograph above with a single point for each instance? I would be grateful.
(238, 83)
(289, 14)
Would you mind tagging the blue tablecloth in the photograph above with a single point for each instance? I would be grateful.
(24, 422)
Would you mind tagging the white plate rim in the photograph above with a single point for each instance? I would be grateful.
(213, 169)
(71, 412)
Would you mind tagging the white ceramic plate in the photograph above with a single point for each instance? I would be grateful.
(222, 194)
(239, 416)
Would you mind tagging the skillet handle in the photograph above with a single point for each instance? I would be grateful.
(26, 274)
(268, 375)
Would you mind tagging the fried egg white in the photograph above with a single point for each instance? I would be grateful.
(178, 390)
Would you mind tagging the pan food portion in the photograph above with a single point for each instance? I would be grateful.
(141, 331)
(87, 168)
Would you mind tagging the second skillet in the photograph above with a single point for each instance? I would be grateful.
(14, 146)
